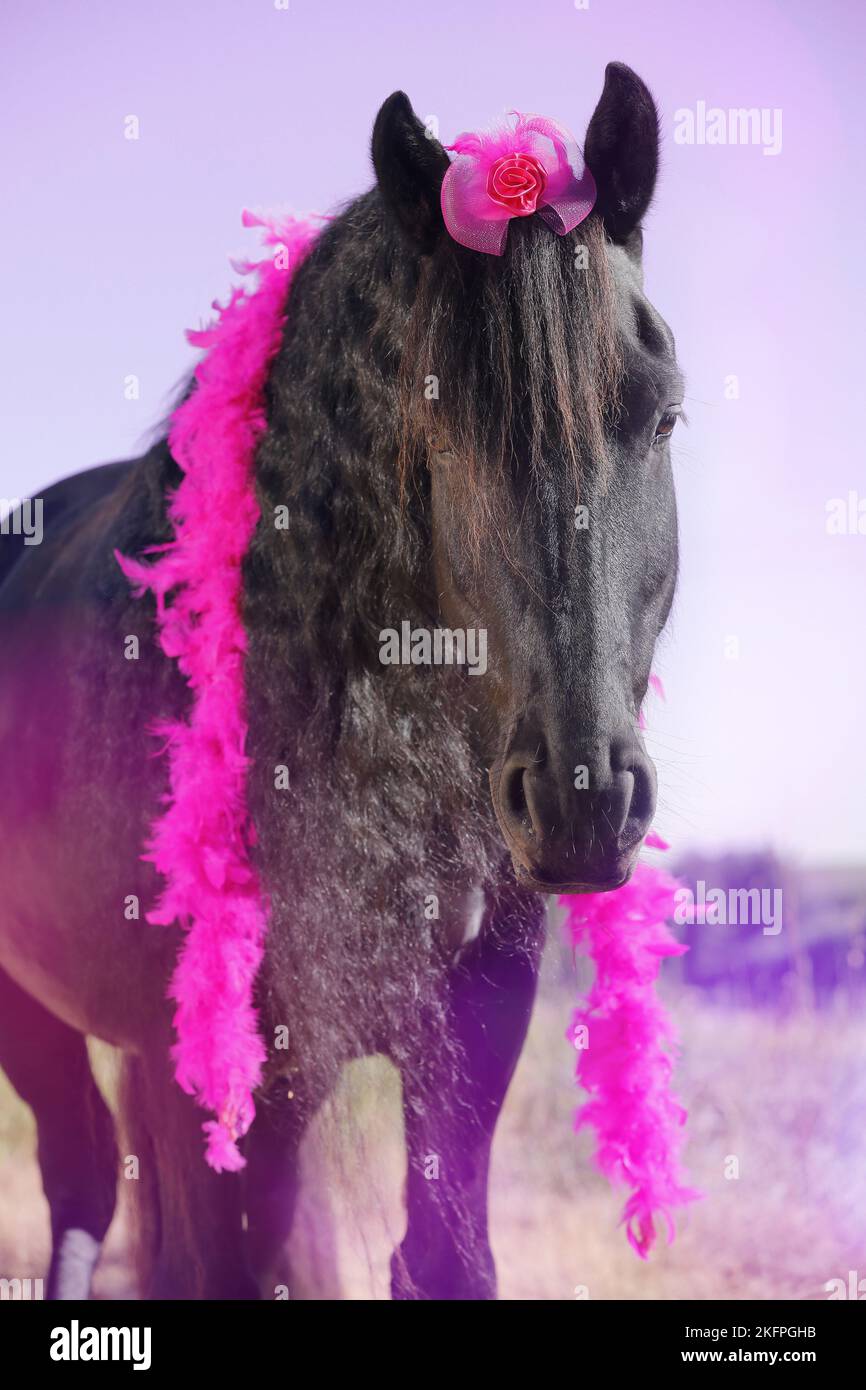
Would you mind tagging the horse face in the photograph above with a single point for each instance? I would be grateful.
(572, 596)
(569, 571)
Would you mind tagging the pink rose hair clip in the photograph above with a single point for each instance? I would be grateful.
(531, 165)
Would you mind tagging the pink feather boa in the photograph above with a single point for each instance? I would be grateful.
(620, 1035)
(200, 844)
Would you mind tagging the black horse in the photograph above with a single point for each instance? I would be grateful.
(428, 810)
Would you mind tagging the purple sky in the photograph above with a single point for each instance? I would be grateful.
(113, 246)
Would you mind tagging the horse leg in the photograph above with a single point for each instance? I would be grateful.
(272, 1181)
(48, 1065)
(196, 1246)
(445, 1253)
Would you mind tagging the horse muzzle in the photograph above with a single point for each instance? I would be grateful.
(574, 823)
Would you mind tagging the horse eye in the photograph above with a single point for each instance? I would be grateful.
(665, 426)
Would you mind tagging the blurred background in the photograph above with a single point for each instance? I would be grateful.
(132, 138)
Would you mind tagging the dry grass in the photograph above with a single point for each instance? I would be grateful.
(785, 1096)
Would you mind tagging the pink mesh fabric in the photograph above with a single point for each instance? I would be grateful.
(556, 184)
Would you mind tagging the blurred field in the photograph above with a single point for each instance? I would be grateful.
(786, 1095)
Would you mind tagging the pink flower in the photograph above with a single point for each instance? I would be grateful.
(528, 164)
(516, 182)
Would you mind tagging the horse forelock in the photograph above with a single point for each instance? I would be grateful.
(513, 360)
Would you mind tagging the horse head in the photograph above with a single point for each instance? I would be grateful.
(541, 390)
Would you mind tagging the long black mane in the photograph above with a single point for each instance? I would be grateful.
(367, 322)
(355, 959)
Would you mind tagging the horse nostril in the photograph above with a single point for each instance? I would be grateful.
(643, 796)
(515, 806)
(632, 765)
(619, 800)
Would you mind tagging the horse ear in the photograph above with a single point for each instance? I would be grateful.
(410, 166)
(622, 152)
